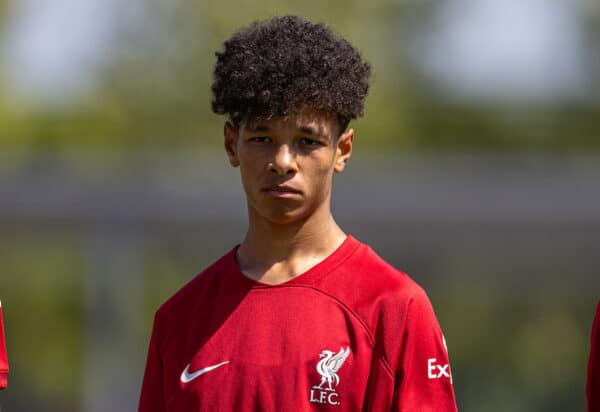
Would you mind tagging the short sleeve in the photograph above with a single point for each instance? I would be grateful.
(151, 397)
(424, 378)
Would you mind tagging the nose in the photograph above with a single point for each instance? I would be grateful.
(284, 161)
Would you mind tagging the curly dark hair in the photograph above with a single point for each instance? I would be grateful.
(286, 64)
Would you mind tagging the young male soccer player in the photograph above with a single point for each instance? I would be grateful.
(300, 316)
(593, 378)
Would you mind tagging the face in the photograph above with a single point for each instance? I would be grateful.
(287, 163)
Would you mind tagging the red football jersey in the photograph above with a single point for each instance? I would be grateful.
(593, 381)
(350, 334)
(3, 357)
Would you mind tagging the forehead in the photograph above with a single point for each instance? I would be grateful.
(307, 121)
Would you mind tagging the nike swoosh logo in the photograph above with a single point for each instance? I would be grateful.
(186, 376)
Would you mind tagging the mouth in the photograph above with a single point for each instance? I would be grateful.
(281, 191)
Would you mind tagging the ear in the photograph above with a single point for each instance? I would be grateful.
(231, 132)
(343, 150)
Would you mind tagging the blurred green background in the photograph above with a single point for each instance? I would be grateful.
(476, 171)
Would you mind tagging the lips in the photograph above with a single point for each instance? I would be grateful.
(281, 190)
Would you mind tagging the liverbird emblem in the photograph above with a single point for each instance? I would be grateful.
(328, 366)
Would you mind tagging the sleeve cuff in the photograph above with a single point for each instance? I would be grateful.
(3, 380)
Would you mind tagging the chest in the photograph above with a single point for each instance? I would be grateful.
(290, 349)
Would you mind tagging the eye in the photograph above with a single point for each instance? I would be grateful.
(260, 139)
(309, 142)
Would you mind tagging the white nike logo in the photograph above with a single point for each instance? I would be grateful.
(186, 376)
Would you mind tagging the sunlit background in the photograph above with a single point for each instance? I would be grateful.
(476, 170)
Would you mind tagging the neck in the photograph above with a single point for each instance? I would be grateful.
(275, 253)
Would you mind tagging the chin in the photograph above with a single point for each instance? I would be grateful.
(283, 212)
(285, 216)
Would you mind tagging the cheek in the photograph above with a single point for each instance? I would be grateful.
(250, 161)
(249, 177)
(324, 165)
(248, 170)
(320, 175)
(255, 157)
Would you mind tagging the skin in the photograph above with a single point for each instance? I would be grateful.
(287, 166)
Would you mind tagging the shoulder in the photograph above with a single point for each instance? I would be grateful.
(378, 292)
(198, 288)
(374, 290)
(375, 276)
(394, 308)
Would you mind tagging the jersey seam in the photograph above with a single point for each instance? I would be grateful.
(362, 322)
(407, 305)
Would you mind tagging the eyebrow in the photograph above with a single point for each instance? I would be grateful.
(305, 129)
(259, 128)
(311, 131)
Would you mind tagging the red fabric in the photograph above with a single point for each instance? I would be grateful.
(593, 381)
(350, 334)
(3, 357)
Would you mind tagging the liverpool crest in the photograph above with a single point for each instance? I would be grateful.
(328, 367)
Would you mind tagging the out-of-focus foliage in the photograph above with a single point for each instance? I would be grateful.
(155, 90)
(529, 343)
(3, 9)
(44, 316)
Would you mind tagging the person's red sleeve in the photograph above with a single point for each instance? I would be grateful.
(151, 396)
(3, 356)
(593, 380)
(425, 380)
